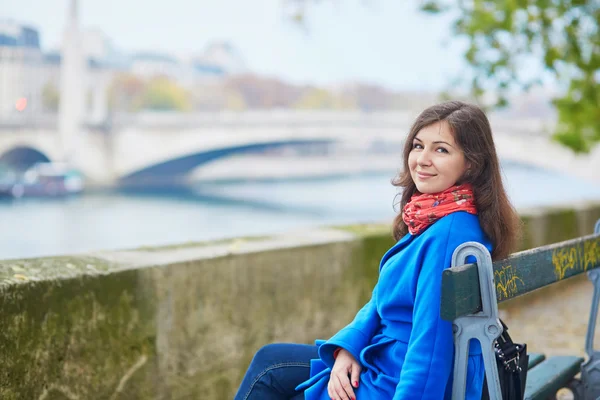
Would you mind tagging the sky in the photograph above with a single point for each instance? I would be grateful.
(386, 42)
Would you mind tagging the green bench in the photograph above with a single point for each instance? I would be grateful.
(535, 359)
(470, 297)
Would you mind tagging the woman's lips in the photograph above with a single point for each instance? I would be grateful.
(423, 175)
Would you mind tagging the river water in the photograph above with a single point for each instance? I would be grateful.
(117, 220)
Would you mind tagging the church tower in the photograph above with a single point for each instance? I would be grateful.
(72, 105)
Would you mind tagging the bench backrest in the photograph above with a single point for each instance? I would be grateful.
(521, 273)
(470, 294)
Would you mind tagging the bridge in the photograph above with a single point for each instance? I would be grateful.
(163, 147)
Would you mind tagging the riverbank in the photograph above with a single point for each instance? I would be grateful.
(183, 321)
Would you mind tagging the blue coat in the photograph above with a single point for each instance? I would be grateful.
(405, 349)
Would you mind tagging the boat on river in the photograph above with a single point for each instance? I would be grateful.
(47, 179)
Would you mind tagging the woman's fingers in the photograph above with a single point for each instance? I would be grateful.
(355, 375)
(344, 378)
(345, 381)
(339, 390)
(343, 388)
(332, 387)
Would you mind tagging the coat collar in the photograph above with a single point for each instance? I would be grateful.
(402, 243)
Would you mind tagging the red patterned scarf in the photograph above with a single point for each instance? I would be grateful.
(424, 209)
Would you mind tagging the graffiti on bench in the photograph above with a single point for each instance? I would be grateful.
(519, 274)
(506, 281)
(578, 257)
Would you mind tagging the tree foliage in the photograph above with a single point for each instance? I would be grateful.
(131, 93)
(162, 94)
(124, 92)
(214, 96)
(562, 37)
(321, 99)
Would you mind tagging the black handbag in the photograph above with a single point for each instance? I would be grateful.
(511, 360)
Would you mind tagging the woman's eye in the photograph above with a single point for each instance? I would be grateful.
(417, 146)
(442, 150)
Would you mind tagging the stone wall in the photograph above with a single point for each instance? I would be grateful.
(182, 322)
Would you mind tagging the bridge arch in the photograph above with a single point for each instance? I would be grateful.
(174, 170)
(22, 157)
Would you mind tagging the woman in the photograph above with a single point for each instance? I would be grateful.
(398, 347)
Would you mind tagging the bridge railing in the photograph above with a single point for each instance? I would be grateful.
(256, 119)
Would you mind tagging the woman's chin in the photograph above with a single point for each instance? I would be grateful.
(426, 189)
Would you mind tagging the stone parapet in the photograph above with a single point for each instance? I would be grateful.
(184, 321)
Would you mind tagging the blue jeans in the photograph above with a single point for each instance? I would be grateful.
(275, 372)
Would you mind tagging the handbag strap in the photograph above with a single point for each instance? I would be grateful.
(508, 352)
(518, 385)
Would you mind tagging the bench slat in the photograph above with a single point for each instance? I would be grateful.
(554, 373)
(523, 272)
(535, 359)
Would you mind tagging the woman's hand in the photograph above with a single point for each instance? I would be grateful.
(344, 376)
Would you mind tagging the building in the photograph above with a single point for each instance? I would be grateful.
(152, 64)
(22, 70)
(218, 60)
(30, 78)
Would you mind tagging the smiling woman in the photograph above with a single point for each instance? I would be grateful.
(436, 161)
(452, 144)
(398, 347)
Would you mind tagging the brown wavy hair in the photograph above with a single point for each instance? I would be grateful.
(472, 132)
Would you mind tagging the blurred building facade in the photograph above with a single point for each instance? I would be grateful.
(30, 78)
(21, 69)
(220, 58)
(148, 65)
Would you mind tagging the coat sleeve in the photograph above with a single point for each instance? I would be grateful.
(356, 335)
(428, 362)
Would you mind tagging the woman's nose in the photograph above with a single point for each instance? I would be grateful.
(424, 158)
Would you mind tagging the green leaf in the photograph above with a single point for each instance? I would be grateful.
(433, 7)
(562, 36)
(572, 140)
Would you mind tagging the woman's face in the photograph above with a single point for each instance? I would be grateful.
(436, 162)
